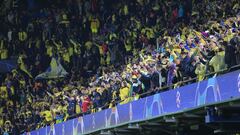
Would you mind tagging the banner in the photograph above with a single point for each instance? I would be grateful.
(55, 70)
(217, 89)
(7, 65)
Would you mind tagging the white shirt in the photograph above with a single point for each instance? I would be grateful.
(9, 35)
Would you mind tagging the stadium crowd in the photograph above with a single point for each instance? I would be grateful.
(113, 51)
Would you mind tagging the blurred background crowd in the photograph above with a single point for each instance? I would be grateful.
(76, 57)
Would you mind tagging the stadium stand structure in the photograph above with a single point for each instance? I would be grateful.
(208, 107)
(61, 60)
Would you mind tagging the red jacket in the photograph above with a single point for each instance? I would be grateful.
(86, 105)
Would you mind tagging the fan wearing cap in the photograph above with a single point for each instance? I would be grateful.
(96, 98)
(7, 128)
(136, 86)
(124, 90)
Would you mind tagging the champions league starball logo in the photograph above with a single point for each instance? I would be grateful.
(78, 126)
(52, 130)
(212, 85)
(112, 118)
(149, 110)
